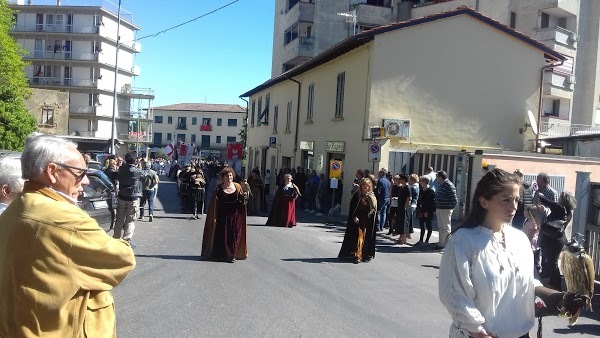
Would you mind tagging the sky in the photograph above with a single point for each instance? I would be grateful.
(213, 59)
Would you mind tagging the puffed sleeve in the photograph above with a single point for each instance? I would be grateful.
(456, 287)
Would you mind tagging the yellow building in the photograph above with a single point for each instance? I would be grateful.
(439, 83)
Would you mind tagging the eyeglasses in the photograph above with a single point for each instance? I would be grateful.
(79, 173)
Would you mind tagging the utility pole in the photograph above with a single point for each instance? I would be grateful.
(114, 112)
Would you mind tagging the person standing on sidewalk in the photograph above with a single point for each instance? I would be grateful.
(198, 184)
(129, 178)
(149, 182)
(383, 194)
(445, 202)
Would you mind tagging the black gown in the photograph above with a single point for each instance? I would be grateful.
(351, 236)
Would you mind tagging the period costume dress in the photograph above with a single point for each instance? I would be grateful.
(225, 228)
(283, 211)
(359, 239)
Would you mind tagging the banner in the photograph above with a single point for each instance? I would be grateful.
(169, 150)
(235, 151)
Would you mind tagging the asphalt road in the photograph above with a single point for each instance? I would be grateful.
(291, 285)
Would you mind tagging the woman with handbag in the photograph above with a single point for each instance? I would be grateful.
(360, 236)
(552, 234)
(283, 211)
(425, 209)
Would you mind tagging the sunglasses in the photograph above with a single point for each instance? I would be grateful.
(79, 173)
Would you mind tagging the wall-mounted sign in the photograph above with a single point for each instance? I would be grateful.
(307, 145)
(335, 169)
(273, 142)
(374, 151)
(334, 146)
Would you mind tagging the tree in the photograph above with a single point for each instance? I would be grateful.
(15, 122)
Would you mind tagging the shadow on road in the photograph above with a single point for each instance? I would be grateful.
(317, 260)
(174, 257)
(168, 196)
(173, 217)
(431, 266)
(402, 249)
(581, 329)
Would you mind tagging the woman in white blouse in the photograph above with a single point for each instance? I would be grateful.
(486, 279)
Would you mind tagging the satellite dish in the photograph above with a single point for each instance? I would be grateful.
(532, 122)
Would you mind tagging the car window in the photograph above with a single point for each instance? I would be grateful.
(96, 185)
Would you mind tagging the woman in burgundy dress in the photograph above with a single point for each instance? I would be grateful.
(283, 212)
(225, 228)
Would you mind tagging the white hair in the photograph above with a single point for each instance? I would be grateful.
(10, 174)
(41, 150)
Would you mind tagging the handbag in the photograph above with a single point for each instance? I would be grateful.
(554, 229)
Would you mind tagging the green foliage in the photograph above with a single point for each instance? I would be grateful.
(15, 122)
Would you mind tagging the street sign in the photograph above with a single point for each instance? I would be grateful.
(273, 142)
(335, 169)
(374, 151)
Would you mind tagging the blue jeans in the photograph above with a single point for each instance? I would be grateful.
(382, 207)
(147, 195)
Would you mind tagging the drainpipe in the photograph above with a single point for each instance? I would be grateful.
(539, 115)
(297, 118)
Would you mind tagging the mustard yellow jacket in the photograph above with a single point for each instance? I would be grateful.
(56, 269)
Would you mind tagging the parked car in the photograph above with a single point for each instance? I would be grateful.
(94, 165)
(96, 197)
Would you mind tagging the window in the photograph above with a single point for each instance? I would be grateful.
(193, 138)
(339, 98)
(258, 120)
(157, 138)
(169, 137)
(311, 99)
(230, 139)
(555, 107)
(288, 117)
(219, 122)
(170, 120)
(545, 21)
(205, 142)
(562, 23)
(513, 19)
(292, 3)
(232, 122)
(194, 121)
(290, 34)
(263, 116)
(94, 100)
(275, 119)
(182, 123)
(158, 119)
(218, 139)
(181, 137)
(252, 113)
(47, 117)
(206, 124)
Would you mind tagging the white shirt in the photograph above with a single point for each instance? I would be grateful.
(486, 287)
(3, 207)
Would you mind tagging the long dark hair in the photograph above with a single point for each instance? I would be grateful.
(490, 185)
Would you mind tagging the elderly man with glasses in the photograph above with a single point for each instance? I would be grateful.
(57, 266)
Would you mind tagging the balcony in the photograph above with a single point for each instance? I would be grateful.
(303, 11)
(558, 85)
(299, 50)
(135, 137)
(559, 7)
(181, 126)
(437, 6)
(60, 29)
(136, 93)
(84, 110)
(551, 129)
(84, 133)
(559, 39)
(104, 4)
(61, 55)
(134, 115)
(60, 82)
(374, 15)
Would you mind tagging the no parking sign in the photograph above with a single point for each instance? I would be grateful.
(335, 169)
(374, 151)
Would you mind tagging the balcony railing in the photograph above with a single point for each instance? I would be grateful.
(134, 137)
(57, 81)
(558, 38)
(106, 5)
(133, 115)
(62, 55)
(550, 129)
(82, 109)
(181, 126)
(46, 28)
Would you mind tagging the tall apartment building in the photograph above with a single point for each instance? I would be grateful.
(72, 48)
(571, 91)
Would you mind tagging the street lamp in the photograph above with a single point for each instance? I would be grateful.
(114, 112)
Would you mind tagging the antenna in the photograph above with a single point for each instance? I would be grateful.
(532, 123)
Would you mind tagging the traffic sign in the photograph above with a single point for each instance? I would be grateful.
(374, 151)
(335, 169)
(273, 142)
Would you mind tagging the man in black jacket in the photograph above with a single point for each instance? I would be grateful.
(130, 191)
(445, 202)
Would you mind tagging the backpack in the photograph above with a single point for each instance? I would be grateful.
(148, 181)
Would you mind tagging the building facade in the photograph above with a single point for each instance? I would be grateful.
(50, 108)
(306, 28)
(466, 96)
(208, 126)
(73, 48)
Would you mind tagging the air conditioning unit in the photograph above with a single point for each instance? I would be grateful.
(573, 37)
(571, 79)
(396, 128)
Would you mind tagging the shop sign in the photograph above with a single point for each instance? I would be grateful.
(334, 146)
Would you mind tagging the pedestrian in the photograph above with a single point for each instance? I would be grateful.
(486, 280)
(383, 194)
(525, 200)
(129, 178)
(224, 235)
(394, 209)
(256, 187)
(322, 190)
(111, 172)
(425, 209)
(413, 186)
(11, 183)
(300, 179)
(445, 202)
(404, 201)
(198, 185)
(360, 235)
(268, 180)
(57, 266)
(149, 182)
(283, 211)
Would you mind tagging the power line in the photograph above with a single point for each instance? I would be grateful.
(185, 23)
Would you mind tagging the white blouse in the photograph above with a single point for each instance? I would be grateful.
(486, 287)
